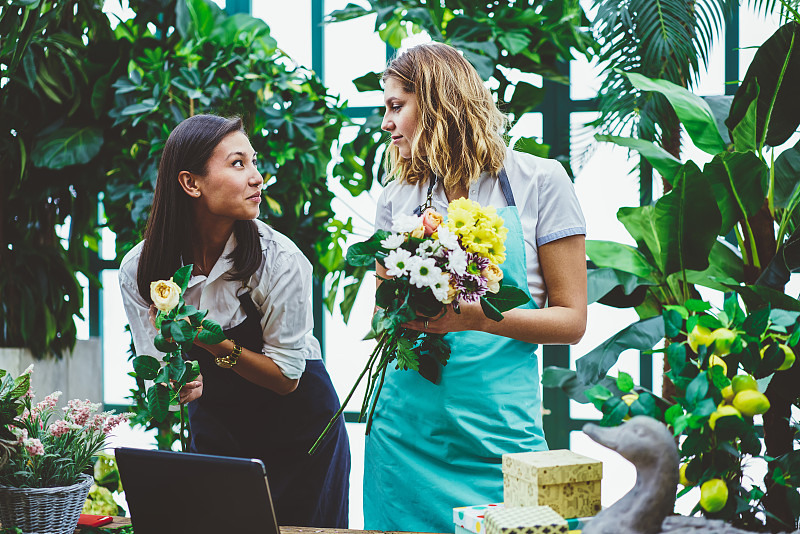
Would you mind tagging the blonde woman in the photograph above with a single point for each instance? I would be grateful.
(435, 447)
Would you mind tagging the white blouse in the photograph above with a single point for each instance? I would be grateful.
(280, 289)
(544, 195)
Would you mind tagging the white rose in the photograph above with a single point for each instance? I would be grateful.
(165, 294)
(493, 276)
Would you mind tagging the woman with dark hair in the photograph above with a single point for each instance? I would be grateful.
(436, 447)
(264, 391)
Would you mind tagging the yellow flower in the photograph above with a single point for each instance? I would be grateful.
(165, 294)
(459, 218)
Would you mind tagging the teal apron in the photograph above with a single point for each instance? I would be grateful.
(436, 447)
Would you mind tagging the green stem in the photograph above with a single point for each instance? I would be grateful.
(381, 342)
(184, 445)
(384, 365)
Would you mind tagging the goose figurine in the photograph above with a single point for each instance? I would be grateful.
(648, 507)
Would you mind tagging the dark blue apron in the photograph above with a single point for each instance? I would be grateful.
(432, 447)
(235, 417)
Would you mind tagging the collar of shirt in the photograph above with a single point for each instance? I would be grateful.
(223, 265)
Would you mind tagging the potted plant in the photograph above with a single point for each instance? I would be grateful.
(43, 485)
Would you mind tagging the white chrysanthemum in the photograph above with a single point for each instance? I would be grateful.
(425, 249)
(440, 287)
(447, 237)
(457, 262)
(423, 272)
(397, 262)
(393, 241)
(406, 223)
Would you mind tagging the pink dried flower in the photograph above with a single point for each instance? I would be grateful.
(61, 427)
(79, 411)
(113, 421)
(48, 403)
(34, 446)
(21, 433)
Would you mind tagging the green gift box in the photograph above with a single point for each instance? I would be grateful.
(525, 520)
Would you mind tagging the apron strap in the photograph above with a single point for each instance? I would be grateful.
(249, 306)
(428, 198)
(506, 187)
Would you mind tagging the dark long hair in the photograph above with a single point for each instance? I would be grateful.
(166, 239)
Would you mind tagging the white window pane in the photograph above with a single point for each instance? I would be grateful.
(116, 342)
(352, 49)
(290, 27)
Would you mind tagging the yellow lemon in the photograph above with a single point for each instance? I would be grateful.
(682, 476)
(750, 402)
(700, 335)
(727, 393)
(628, 399)
(722, 411)
(742, 382)
(723, 340)
(788, 359)
(716, 360)
(713, 495)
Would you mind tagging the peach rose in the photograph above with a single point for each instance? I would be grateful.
(419, 232)
(493, 276)
(431, 220)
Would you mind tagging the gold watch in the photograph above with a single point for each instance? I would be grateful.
(231, 359)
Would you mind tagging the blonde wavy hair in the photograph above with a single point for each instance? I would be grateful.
(460, 131)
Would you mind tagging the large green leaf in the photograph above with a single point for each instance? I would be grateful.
(616, 288)
(619, 256)
(756, 297)
(641, 335)
(765, 70)
(640, 223)
(662, 161)
(525, 98)
(739, 181)
(687, 222)
(720, 106)
(67, 146)
(692, 111)
(787, 175)
(725, 266)
(786, 261)
(567, 381)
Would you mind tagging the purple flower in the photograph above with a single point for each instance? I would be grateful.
(470, 287)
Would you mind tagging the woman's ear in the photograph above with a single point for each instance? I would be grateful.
(189, 183)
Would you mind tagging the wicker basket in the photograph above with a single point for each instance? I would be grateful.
(44, 510)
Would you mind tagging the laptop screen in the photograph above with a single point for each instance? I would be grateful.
(185, 492)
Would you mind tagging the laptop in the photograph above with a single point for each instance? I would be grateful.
(198, 493)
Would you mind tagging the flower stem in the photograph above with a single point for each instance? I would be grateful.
(378, 349)
(384, 364)
(184, 445)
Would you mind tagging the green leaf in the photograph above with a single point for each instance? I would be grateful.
(697, 389)
(687, 221)
(616, 288)
(692, 111)
(673, 322)
(725, 266)
(182, 277)
(490, 311)
(765, 69)
(745, 133)
(614, 411)
(526, 98)
(642, 335)
(211, 333)
(598, 395)
(371, 81)
(21, 386)
(163, 345)
(645, 404)
(676, 357)
(662, 161)
(67, 146)
(618, 256)
(364, 253)
(739, 182)
(514, 42)
(192, 370)
(787, 178)
(158, 401)
(672, 413)
(697, 305)
(567, 381)
(146, 367)
(624, 382)
(531, 145)
(507, 298)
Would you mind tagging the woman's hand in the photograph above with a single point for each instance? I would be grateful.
(470, 318)
(191, 390)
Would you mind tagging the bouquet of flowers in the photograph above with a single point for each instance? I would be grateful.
(178, 325)
(54, 454)
(432, 263)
